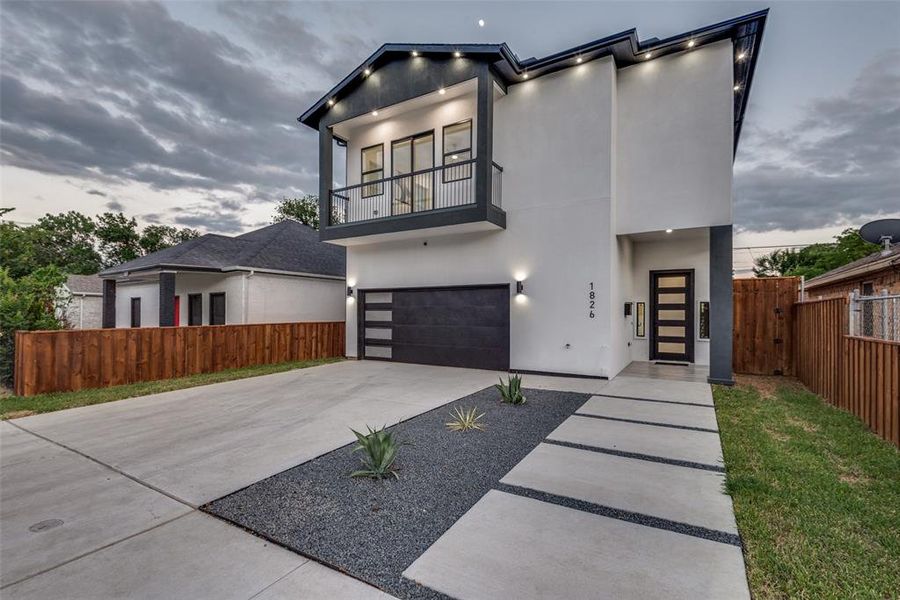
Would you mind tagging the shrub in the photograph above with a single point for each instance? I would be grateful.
(511, 392)
(379, 453)
(464, 420)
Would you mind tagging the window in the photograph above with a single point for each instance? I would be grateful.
(195, 309)
(457, 149)
(640, 315)
(135, 312)
(373, 170)
(217, 308)
(703, 334)
(414, 154)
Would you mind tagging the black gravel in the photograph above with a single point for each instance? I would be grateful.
(374, 530)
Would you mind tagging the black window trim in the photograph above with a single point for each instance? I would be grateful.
(412, 161)
(225, 308)
(378, 182)
(131, 313)
(444, 153)
(191, 299)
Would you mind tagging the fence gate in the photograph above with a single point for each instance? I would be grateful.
(763, 325)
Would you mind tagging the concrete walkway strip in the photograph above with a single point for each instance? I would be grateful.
(196, 556)
(677, 494)
(313, 581)
(56, 506)
(659, 389)
(489, 553)
(702, 417)
(674, 444)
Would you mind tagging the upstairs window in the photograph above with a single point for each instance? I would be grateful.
(373, 170)
(457, 149)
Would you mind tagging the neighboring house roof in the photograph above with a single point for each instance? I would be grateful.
(625, 47)
(877, 261)
(288, 246)
(85, 284)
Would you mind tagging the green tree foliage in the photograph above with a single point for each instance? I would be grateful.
(118, 238)
(158, 237)
(305, 210)
(67, 241)
(816, 259)
(26, 303)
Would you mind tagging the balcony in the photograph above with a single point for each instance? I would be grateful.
(446, 197)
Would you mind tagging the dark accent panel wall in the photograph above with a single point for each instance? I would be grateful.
(109, 304)
(326, 176)
(166, 299)
(484, 138)
(463, 327)
(720, 301)
(400, 80)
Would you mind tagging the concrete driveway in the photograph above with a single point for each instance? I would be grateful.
(99, 501)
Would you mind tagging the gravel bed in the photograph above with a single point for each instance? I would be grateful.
(373, 530)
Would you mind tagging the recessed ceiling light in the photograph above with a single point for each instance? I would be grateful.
(481, 22)
(737, 88)
(691, 43)
(331, 102)
(374, 113)
(668, 231)
(648, 55)
(457, 54)
(524, 75)
(742, 56)
(455, 156)
(367, 71)
(442, 91)
(414, 53)
(579, 60)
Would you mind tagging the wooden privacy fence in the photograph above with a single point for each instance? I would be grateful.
(762, 343)
(859, 375)
(55, 361)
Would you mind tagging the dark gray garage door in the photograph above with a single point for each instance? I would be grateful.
(455, 327)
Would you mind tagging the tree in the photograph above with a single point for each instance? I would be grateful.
(118, 238)
(816, 259)
(27, 303)
(305, 210)
(158, 237)
(67, 241)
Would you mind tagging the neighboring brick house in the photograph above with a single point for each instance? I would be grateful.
(83, 297)
(870, 275)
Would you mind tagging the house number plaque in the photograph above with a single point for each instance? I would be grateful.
(591, 299)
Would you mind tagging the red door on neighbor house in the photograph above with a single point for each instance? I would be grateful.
(177, 311)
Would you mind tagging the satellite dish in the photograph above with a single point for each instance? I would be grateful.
(882, 231)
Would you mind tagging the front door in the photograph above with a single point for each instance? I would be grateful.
(671, 313)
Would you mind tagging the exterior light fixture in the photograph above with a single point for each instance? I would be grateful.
(367, 71)
(579, 60)
(668, 231)
(457, 54)
(524, 75)
(349, 291)
(374, 113)
(737, 88)
(742, 56)
(691, 43)
(442, 91)
(414, 53)
(520, 287)
(481, 22)
(331, 102)
(648, 56)
(455, 156)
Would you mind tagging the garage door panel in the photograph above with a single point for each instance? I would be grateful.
(443, 335)
(475, 358)
(445, 315)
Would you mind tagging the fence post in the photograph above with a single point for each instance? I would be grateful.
(852, 324)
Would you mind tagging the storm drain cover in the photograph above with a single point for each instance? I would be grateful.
(45, 525)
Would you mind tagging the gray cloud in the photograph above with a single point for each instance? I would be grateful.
(123, 92)
(838, 165)
(96, 193)
(115, 205)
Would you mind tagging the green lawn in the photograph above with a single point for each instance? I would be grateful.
(18, 406)
(816, 495)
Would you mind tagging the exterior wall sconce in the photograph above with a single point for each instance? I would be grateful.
(520, 287)
(349, 291)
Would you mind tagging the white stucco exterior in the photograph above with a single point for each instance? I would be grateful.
(250, 297)
(598, 162)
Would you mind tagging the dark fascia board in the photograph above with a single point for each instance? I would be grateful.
(625, 47)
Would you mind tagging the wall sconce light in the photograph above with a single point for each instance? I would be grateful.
(520, 287)
(349, 291)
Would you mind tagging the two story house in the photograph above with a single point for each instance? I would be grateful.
(566, 214)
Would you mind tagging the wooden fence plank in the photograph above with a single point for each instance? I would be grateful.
(54, 361)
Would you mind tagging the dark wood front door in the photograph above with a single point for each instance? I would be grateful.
(672, 315)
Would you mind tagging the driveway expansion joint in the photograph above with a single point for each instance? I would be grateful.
(654, 423)
(601, 395)
(637, 455)
(622, 514)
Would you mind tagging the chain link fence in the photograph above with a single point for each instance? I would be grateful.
(875, 317)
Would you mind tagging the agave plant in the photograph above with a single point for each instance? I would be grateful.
(379, 452)
(464, 420)
(511, 391)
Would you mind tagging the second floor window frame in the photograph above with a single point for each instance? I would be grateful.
(449, 173)
(374, 189)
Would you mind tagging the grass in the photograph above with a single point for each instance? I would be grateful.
(816, 495)
(19, 406)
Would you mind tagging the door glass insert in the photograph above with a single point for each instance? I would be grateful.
(672, 281)
(671, 298)
(412, 189)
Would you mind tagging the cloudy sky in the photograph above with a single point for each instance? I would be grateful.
(185, 112)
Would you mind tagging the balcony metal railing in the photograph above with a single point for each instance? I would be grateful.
(496, 185)
(437, 188)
